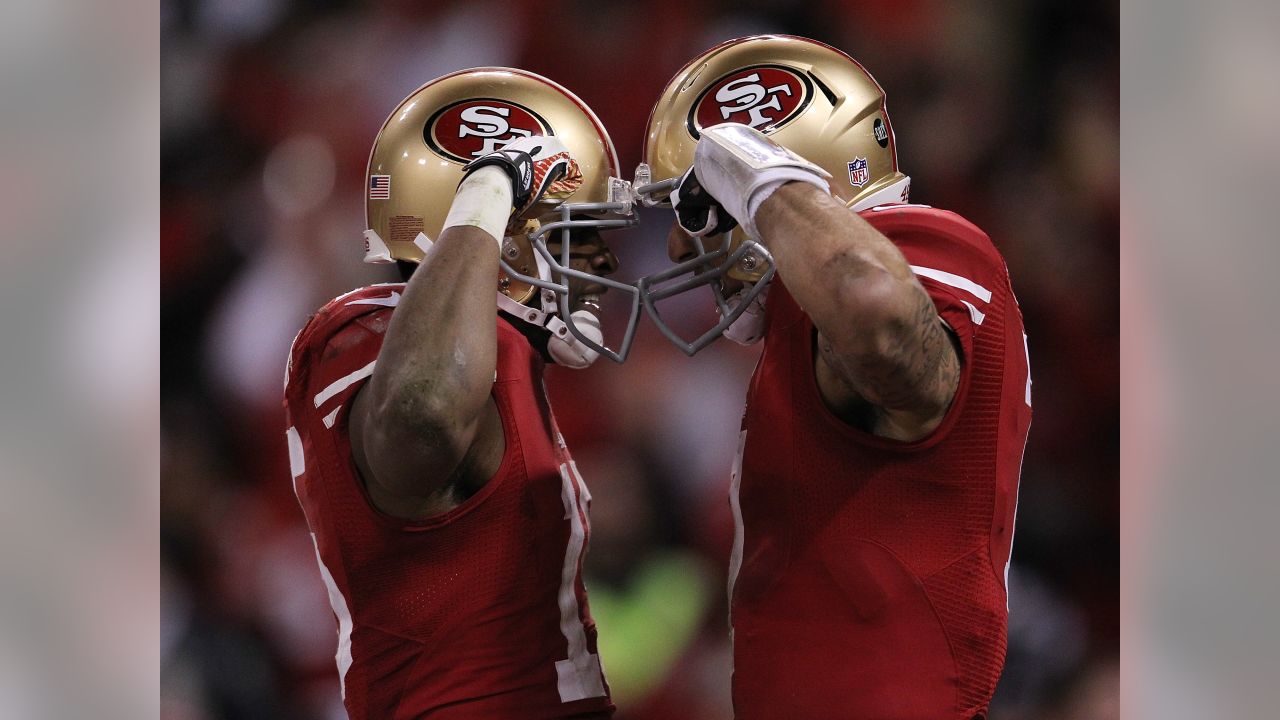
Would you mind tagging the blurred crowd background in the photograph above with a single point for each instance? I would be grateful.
(1005, 112)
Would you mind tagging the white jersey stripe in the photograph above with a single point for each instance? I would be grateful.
(579, 676)
(343, 383)
(288, 361)
(331, 417)
(349, 293)
(1026, 351)
(954, 281)
(898, 206)
(583, 491)
(974, 313)
(339, 605)
(391, 300)
(735, 485)
(1013, 530)
(297, 462)
(297, 466)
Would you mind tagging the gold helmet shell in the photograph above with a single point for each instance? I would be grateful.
(807, 96)
(418, 157)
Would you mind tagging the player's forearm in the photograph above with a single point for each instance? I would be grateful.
(852, 281)
(878, 326)
(437, 362)
(440, 351)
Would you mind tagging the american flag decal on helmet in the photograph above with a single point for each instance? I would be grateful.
(379, 187)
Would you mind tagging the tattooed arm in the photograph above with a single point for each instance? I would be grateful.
(885, 361)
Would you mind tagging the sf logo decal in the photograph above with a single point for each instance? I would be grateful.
(748, 96)
(468, 129)
(764, 97)
(491, 126)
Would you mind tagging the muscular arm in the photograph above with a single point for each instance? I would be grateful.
(426, 417)
(880, 340)
(425, 432)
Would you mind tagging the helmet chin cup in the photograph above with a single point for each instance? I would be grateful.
(708, 268)
(584, 327)
(565, 348)
(749, 328)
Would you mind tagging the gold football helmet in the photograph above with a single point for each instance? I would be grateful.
(417, 162)
(808, 97)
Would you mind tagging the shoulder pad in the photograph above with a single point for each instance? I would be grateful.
(337, 314)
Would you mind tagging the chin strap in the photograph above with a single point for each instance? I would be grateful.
(530, 315)
(568, 350)
(563, 347)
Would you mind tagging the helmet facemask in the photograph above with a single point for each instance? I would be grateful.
(556, 271)
(716, 257)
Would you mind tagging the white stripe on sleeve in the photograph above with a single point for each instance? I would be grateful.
(297, 461)
(974, 313)
(343, 383)
(954, 281)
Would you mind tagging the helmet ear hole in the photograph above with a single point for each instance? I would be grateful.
(405, 268)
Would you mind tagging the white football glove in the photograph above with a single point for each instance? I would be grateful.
(741, 167)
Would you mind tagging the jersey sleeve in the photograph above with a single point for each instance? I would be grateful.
(952, 258)
(329, 363)
(331, 359)
(959, 315)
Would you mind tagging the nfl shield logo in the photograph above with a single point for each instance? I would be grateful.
(858, 173)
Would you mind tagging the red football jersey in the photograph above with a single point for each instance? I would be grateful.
(868, 578)
(479, 612)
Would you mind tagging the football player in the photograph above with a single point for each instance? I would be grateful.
(875, 489)
(450, 521)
